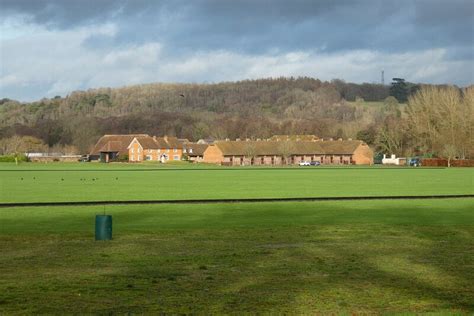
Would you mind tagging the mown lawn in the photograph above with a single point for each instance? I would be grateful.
(34, 183)
(320, 257)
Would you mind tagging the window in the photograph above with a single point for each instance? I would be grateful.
(167, 150)
(190, 150)
(175, 157)
(133, 150)
(148, 157)
(175, 150)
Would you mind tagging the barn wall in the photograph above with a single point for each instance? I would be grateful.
(363, 155)
(213, 155)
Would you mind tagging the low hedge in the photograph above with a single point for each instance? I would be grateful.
(11, 158)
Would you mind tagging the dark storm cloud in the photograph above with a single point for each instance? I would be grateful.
(81, 44)
(259, 26)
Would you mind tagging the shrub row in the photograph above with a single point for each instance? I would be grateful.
(440, 162)
(11, 158)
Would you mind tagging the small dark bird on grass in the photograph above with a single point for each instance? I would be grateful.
(21, 179)
(62, 179)
(181, 95)
(34, 178)
(116, 178)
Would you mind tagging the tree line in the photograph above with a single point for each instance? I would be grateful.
(244, 109)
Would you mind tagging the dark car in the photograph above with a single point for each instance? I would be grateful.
(415, 162)
(314, 163)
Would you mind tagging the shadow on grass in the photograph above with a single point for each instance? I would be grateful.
(276, 260)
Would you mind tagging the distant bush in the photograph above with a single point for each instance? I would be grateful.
(121, 158)
(11, 158)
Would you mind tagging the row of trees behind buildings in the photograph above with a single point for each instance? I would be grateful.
(437, 120)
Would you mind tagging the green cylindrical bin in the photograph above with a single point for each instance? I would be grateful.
(103, 227)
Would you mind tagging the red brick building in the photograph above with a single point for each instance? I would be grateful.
(137, 148)
(147, 148)
(269, 152)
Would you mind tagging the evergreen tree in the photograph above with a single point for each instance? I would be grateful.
(399, 90)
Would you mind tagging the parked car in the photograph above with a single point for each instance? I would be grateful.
(314, 163)
(84, 158)
(305, 163)
(415, 162)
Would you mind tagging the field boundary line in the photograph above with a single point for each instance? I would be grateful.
(243, 200)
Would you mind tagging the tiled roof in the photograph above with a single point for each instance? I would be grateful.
(148, 142)
(114, 143)
(166, 142)
(260, 148)
(333, 147)
(294, 137)
(173, 142)
(112, 146)
(197, 149)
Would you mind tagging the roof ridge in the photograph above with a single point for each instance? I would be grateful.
(135, 135)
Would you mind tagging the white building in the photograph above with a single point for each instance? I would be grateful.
(393, 160)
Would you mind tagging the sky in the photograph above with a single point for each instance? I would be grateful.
(54, 47)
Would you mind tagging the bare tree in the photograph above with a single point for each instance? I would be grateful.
(286, 148)
(250, 150)
(439, 116)
(449, 152)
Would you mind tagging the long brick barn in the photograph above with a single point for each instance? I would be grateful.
(269, 152)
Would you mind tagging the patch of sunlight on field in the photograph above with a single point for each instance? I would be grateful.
(422, 272)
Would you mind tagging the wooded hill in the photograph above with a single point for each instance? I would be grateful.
(244, 109)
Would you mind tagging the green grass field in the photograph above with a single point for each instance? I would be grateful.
(118, 182)
(403, 256)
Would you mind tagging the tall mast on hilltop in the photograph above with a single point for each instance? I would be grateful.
(383, 78)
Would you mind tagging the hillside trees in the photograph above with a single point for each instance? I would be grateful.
(243, 109)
